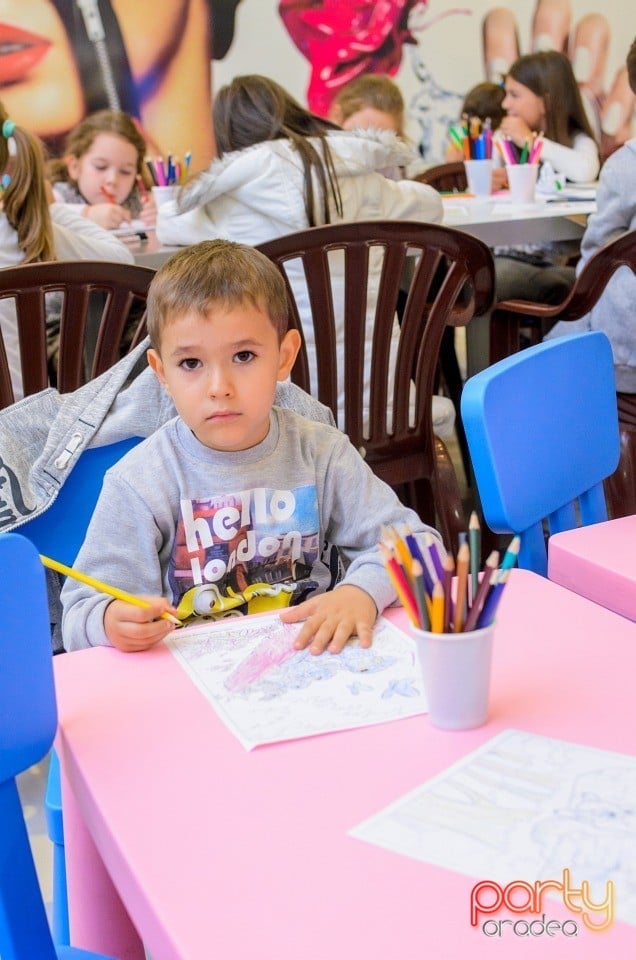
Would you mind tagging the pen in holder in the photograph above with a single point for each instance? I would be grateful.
(453, 630)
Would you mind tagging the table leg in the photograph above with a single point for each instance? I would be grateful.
(98, 919)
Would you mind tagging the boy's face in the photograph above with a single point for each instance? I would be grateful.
(221, 371)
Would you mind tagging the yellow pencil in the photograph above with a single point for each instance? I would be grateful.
(103, 587)
(437, 609)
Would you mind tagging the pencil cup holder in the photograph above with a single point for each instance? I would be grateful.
(479, 177)
(164, 194)
(456, 676)
(522, 180)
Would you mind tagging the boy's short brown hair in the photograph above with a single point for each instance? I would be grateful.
(631, 66)
(215, 272)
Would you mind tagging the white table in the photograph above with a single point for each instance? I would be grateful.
(497, 221)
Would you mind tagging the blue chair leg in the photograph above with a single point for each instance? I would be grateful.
(55, 829)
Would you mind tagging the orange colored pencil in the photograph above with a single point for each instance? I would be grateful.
(401, 584)
(437, 609)
(463, 564)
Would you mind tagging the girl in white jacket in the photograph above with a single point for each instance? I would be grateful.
(32, 231)
(281, 169)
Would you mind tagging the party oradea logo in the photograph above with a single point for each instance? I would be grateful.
(489, 902)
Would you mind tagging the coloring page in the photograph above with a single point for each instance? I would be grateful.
(265, 691)
(524, 807)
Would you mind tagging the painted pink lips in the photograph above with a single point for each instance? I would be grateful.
(20, 51)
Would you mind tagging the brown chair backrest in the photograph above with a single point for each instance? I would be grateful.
(507, 315)
(97, 298)
(445, 177)
(452, 281)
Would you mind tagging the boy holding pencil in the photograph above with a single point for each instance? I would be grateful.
(233, 506)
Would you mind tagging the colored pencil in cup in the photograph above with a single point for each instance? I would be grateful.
(474, 542)
(400, 584)
(103, 587)
(461, 597)
(447, 581)
(437, 608)
(482, 591)
(491, 603)
(420, 595)
(511, 554)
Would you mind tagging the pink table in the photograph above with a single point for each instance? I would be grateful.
(211, 851)
(598, 562)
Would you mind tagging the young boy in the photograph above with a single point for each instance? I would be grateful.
(231, 506)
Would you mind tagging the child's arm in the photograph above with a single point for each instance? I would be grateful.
(131, 628)
(355, 506)
(121, 548)
(331, 618)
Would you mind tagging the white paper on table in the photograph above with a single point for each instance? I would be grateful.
(132, 228)
(523, 807)
(265, 691)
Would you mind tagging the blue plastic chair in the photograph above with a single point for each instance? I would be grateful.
(542, 430)
(59, 533)
(28, 721)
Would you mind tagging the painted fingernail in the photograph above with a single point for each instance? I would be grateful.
(497, 68)
(543, 41)
(582, 64)
(612, 119)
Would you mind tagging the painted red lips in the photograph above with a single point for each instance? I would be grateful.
(20, 51)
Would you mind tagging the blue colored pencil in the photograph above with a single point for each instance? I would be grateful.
(491, 603)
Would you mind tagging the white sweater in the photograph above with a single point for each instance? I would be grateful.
(75, 238)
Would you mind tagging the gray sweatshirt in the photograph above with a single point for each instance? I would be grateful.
(614, 311)
(219, 532)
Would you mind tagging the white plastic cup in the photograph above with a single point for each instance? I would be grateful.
(522, 180)
(456, 676)
(164, 194)
(479, 177)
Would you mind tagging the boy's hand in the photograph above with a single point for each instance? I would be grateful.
(131, 628)
(331, 618)
(110, 216)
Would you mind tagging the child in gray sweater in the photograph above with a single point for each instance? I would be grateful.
(233, 506)
(615, 213)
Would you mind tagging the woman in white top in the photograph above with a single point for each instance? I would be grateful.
(282, 169)
(543, 98)
(31, 230)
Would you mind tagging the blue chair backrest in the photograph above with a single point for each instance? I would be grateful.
(59, 531)
(542, 430)
(28, 720)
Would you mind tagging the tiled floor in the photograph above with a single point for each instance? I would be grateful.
(32, 787)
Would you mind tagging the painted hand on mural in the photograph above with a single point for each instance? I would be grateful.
(343, 39)
(586, 43)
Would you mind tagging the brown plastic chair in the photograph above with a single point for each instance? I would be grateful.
(453, 280)
(507, 317)
(445, 177)
(507, 320)
(450, 178)
(97, 300)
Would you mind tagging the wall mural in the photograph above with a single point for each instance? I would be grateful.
(61, 59)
